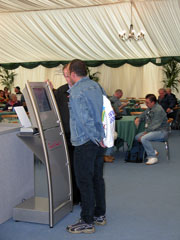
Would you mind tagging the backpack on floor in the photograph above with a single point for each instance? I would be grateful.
(136, 154)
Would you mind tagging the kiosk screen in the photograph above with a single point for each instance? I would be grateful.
(42, 99)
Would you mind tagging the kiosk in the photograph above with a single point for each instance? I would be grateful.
(47, 141)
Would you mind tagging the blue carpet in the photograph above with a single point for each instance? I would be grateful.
(143, 203)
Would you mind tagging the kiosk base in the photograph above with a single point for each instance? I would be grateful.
(36, 209)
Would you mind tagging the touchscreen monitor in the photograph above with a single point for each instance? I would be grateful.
(42, 99)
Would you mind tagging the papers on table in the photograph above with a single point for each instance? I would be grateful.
(143, 106)
(24, 120)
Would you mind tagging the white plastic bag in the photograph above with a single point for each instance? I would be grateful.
(108, 120)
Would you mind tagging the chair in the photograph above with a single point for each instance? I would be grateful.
(135, 113)
(166, 142)
(170, 120)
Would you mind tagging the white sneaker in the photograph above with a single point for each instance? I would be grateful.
(152, 160)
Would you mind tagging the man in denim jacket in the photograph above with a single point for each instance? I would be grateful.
(85, 105)
(155, 127)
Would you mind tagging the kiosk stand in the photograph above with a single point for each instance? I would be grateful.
(47, 141)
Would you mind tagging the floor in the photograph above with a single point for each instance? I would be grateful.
(143, 203)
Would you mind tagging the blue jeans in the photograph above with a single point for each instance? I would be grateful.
(156, 136)
(88, 167)
(109, 151)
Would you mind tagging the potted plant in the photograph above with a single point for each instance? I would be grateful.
(7, 77)
(93, 76)
(171, 71)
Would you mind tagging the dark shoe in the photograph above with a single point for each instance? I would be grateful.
(108, 158)
(81, 227)
(101, 220)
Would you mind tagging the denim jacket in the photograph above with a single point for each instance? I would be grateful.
(85, 106)
(155, 119)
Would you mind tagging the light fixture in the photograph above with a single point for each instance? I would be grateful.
(131, 35)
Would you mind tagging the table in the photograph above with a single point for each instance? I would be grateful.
(130, 109)
(7, 113)
(2, 105)
(8, 117)
(126, 129)
(16, 170)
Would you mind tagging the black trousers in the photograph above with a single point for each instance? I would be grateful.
(88, 166)
(76, 192)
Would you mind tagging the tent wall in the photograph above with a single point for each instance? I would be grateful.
(134, 81)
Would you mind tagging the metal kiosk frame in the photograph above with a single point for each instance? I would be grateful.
(48, 143)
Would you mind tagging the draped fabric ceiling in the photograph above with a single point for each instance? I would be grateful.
(37, 33)
(60, 30)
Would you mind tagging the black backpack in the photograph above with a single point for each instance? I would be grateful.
(136, 154)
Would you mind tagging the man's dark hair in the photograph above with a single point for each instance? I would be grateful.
(79, 67)
(151, 97)
(18, 88)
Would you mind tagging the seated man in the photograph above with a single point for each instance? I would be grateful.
(156, 127)
(170, 94)
(118, 109)
(116, 103)
(168, 102)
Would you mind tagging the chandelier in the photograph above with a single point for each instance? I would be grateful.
(131, 35)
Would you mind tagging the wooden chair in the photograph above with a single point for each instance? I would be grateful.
(135, 113)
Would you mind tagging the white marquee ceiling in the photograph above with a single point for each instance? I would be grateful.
(50, 30)
(34, 5)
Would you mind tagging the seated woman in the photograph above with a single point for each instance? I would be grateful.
(13, 102)
(3, 98)
(6, 92)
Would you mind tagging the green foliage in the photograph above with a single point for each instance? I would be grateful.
(7, 77)
(93, 76)
(171, 70)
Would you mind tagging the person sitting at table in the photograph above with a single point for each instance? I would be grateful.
(156, 127)
(3, 98)
(117, 104)
(19, 94)
(13, 102)
(6, 92)
(169, 93)
(20, 97)
(168, 102)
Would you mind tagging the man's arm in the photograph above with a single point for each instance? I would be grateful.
(123, 105)
(171, 103)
